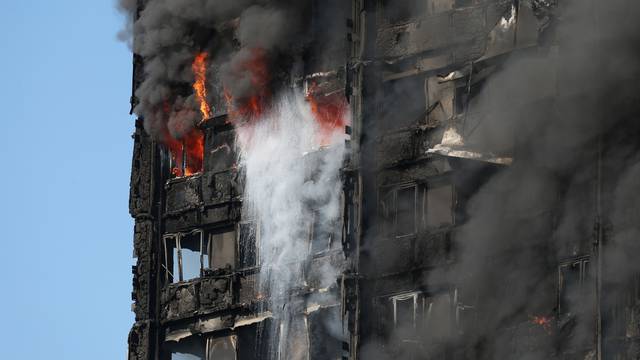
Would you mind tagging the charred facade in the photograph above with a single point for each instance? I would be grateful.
(485, 188)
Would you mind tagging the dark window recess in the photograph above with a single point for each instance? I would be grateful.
(325, 332)
(406, 211)
(221, 348)
(404, 104)
(438, 205)
(192, 348)
(398, 211)
(404, 314)
(461, 98)
(222, 250)
(388, 212)
(254, 341)
(404, 311)
(247, 245)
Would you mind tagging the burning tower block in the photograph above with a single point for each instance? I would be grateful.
(373, 179)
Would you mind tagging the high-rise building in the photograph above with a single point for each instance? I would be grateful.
(439, 179)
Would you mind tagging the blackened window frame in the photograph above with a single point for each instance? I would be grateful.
(170, 277)
(390, 216)
(584, 276)
(209, 241)
(388, 207)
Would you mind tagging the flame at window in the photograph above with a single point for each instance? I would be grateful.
(199, 68)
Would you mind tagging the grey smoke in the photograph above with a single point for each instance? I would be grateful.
(526, 217)
(530, 211)
(168, 34)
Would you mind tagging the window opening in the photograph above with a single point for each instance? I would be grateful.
(183, 256)
(222, 348)
(222, 248)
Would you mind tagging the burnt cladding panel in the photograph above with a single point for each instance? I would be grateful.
(219, 151)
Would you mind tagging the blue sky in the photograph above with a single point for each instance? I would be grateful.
(66, 238)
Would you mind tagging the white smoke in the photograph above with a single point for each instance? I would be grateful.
(290, 179)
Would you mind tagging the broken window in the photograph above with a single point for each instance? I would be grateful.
(221, 348)
(186, 154)
(183, 256)
(222, 250)
(191, 348)
(398, 210)
(191, 255)
(438, 205)
(247, 245)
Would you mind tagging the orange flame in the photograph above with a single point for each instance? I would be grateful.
(543, 321)
(189, 148)
(199, 68)
(330, 111)
(187, 152)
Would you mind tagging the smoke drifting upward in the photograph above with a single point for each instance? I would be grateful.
(290, 183)
(240, 41)
(531, 215)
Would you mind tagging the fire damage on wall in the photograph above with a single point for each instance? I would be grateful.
(379, 179)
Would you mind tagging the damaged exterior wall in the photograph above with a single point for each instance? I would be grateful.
(418, 157)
